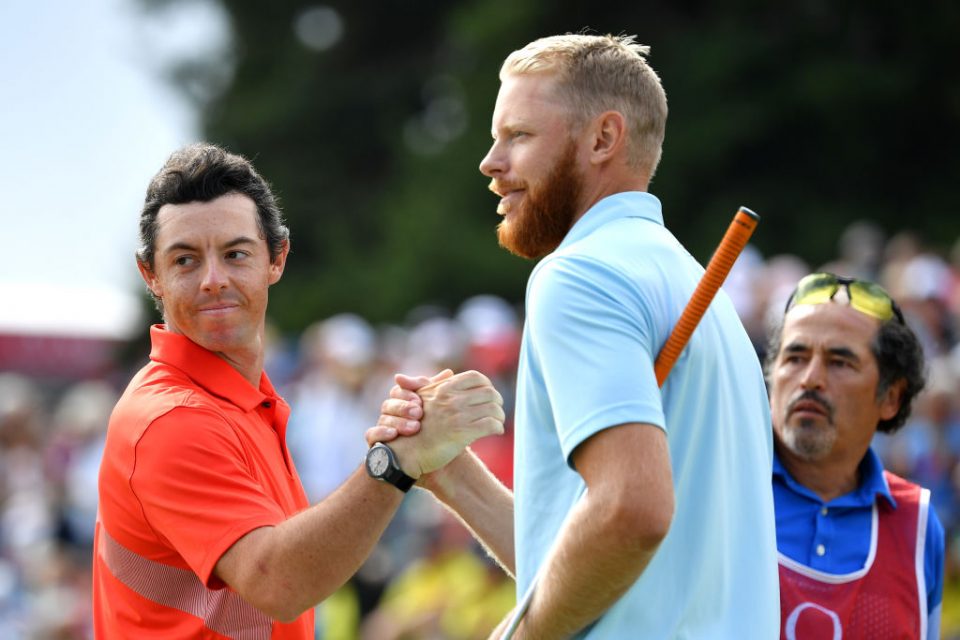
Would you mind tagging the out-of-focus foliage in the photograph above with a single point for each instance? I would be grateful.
(370, 119)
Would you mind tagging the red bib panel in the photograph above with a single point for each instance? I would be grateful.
(885, 600)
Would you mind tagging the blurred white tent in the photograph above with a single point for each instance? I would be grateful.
(51, 330)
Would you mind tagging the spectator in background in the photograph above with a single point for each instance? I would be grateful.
(74, 453)
(780, 275)
(332, 401)
(928, 445)
(493, 346)
(448, 591)
(27, 519)
(861, 550)
(923, 288)
(861, 249)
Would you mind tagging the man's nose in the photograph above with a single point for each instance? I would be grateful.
(214, 276)
(493, 163)
(814, 374)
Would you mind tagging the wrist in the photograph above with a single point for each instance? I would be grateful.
(405, 457)
(382, 464)
(446, 481)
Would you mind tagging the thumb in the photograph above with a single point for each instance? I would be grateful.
(443, 375)
(413, 383)
(410, 383)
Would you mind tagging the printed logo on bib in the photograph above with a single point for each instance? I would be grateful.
(810, 621)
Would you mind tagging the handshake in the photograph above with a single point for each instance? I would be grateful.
(430, 421)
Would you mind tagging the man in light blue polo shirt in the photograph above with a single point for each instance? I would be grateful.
(598, 309)
(639, 512)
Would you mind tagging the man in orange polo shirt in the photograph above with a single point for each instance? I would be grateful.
(204, 530)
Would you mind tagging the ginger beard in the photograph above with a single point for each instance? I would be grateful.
(547, 210)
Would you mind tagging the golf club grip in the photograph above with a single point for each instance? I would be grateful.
(734, 240)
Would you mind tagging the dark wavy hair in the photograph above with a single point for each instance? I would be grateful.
(899, 356)
(202, 172)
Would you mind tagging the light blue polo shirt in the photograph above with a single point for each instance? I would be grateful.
(598, 310)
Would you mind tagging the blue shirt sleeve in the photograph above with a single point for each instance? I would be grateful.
(594, 340)
(933, 561)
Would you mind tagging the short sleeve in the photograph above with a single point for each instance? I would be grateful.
(195, 489)
(593, 335)
(934, 560)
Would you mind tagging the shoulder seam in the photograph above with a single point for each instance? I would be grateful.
(189, 393)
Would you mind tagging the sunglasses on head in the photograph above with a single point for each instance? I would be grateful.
(865, 297)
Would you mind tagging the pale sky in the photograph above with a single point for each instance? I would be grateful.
(86, 119)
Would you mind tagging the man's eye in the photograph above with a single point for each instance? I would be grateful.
(183, 260)
(236, 255)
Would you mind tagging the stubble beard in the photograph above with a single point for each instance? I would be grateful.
(809, 439)
(547, 211)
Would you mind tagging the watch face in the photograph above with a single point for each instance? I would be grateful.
(378, 462)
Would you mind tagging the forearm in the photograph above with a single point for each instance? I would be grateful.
(287, 569)
(595, 562)
(481, 501)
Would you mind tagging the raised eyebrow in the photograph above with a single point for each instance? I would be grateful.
(238, 241)
(179, 246)
(185, 246)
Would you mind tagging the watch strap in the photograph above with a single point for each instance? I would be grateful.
(399, 479)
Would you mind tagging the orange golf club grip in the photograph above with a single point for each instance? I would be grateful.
(734, 240)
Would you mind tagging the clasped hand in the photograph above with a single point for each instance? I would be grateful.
(430, 421)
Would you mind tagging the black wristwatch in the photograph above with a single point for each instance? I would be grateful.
(382, 464)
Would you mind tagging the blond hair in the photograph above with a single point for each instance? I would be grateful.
(602, 73)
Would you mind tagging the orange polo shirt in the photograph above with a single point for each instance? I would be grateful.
(195, 458)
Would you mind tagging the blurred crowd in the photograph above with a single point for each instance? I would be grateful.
(427, 579)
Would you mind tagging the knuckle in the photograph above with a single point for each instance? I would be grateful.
(493, 426)
(479, 378)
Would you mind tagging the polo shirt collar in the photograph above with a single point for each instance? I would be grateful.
(628, 204)
(873, 484)
(207, 369)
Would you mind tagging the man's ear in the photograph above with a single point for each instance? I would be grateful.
(608, 136)
(279, 262)
(150, 277)
(892, 399)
